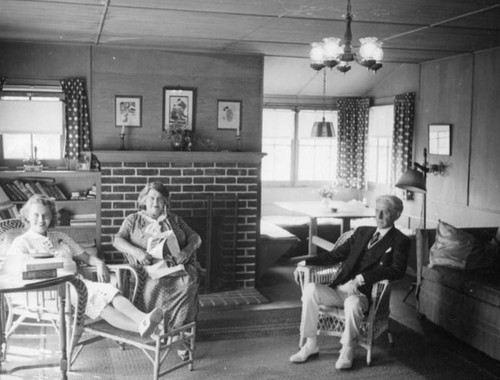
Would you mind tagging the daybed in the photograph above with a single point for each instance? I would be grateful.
(456, 292)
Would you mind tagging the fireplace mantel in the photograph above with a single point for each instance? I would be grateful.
(170, 156)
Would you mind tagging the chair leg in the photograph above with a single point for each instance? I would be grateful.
(368, 356)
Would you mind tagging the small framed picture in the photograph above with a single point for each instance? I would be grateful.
(440, 139)
(128, 111)
(229, 115)
(179, 108)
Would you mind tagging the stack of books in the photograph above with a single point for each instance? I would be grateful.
(40, 268)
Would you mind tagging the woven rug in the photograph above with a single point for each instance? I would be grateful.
(233, 298)
(413, 358)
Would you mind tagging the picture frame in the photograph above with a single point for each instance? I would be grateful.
(440, 139)
(229, 114)
(128, 111)
(179, 108)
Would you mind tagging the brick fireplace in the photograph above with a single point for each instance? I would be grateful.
(218, 193)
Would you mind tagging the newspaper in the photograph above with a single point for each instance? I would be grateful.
(165, 241)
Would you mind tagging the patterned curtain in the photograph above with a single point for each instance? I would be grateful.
(77, 118)
(402, 138)
(352, 141)
(2, 82)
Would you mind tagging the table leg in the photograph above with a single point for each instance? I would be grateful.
(346, 225)
(313, 230)
(62, 331)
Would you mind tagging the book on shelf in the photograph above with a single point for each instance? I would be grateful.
(12, 192)
(41, 189)
(81, 223)
(23, 189)
(31, 187)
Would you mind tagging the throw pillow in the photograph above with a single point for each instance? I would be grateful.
(452, 247)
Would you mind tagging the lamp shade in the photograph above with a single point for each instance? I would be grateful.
(322, 129)
(412, 180)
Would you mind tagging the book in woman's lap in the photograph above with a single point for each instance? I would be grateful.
(159, 245)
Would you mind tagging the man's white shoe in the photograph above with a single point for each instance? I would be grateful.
(304, 353)
(345, 358)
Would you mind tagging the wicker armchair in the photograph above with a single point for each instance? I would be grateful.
(332, 319)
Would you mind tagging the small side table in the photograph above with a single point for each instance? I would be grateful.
(10, 285)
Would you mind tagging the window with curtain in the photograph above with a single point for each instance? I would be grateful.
(380, 130)
(294, 158)
(29, 121)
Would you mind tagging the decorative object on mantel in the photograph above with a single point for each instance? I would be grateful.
(33, 164)
(122, 138)
(209, 143)
(181, 139)
(330, 53)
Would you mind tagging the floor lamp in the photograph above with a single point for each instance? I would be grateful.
(415, 180)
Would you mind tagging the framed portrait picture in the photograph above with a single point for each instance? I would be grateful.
(179, 107)
(229, 115)
(440, 139)
(128, 111)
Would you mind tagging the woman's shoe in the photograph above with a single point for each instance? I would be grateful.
(149, 323)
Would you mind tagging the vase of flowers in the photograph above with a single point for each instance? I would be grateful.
(180, 137)
(33, 164)
(327, 194)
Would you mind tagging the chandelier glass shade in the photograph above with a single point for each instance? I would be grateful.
(332, 53)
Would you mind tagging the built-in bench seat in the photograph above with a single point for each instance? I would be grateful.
(328, 228)
(274, 243)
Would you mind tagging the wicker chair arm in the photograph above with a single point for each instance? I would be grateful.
(317, 274)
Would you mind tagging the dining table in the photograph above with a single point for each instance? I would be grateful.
(334, 209)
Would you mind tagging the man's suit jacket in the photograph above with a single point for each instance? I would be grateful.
(386, 260)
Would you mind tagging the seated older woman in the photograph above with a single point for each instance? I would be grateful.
(104, 300)
(176, 294)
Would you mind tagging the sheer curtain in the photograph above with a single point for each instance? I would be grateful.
(77, 117)
(352, 141)
(404, 119)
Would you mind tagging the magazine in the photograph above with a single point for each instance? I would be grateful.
(163, 242)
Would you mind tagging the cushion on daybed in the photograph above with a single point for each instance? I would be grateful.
(452, 247)
(457, 249)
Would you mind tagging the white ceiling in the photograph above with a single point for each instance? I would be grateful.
(413, 31)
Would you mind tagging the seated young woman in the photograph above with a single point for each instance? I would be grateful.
(104, 300)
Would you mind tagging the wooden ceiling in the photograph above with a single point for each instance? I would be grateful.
(412, 31)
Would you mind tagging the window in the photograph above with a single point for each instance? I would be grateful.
(380, 128)
(29, 124)
(293, 156)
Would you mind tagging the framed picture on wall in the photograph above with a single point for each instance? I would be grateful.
(128, 111)
(229, 115)
(179, 108)
(440, 139)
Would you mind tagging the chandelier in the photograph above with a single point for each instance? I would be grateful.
(329, 52)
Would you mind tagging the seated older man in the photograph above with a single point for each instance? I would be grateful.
(370, 255)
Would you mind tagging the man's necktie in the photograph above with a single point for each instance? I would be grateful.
(374, 239)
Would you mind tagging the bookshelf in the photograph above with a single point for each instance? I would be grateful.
(80, 213)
